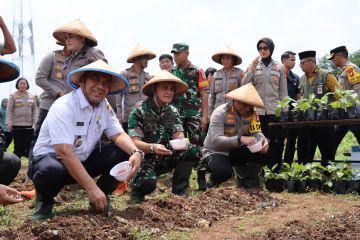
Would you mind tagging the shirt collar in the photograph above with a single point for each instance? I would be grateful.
(82, 99)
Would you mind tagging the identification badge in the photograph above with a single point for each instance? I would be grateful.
(232, 86)
(80, 124)
(218, 85)
(319, 89)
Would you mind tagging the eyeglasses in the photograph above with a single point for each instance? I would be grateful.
(263, 48)
(303, 62)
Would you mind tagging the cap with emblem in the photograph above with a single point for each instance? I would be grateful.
(307, 54)
(246, 94)
(165, 76)
(8, 70)
(179, 47)
(227, 51)
(76, 27)
(119, 84)
(138, 51)
(341, 49)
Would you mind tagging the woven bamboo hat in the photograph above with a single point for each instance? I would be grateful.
(165, 76)
(119, 84)
(140, 50)
(228, 51)
(8, 70)
(246, 94)
(76, 27)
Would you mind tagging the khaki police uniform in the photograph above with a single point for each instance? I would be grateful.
(222, 83)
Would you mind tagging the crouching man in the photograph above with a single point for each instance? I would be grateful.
(152, 124)
(233, 127)
(69, 149)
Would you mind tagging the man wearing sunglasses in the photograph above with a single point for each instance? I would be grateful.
(268, 78)
(349, 78)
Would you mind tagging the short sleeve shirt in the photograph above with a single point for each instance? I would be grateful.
(72, 120)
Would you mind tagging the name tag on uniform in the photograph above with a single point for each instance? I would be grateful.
(80, 124)
(319, 89)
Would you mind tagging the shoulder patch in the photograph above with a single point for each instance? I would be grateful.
(353, 75)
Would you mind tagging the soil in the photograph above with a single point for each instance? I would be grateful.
(224, 213)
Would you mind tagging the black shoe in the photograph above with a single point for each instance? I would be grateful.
(201, 180)
(136, 198)
(248, 183)
(43, 210)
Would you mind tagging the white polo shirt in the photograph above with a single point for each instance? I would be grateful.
(72, 120)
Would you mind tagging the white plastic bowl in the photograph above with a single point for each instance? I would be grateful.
(121, 171)
(255, 147)
(179, 144)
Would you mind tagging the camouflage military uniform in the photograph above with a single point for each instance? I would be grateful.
(189, 104)
(157, 125)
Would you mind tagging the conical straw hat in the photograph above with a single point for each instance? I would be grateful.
(165, 76)
(140, 50)
(228, 51)
(76, 27)
(246, 94)
(8, 70)
(119, 84)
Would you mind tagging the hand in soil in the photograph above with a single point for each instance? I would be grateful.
(98, 198)
(9, 195)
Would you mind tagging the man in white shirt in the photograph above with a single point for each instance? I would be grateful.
(69, 149)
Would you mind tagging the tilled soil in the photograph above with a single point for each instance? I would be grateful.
(173, 213)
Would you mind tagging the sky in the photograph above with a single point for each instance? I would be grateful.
(206, 25)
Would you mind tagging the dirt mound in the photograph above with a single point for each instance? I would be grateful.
(158, 216)
(345, 226)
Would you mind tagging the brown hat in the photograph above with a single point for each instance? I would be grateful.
(119, 84)
(140, 50)
(246, 94)
(165, 76)
(8, 70)
(76, 27)
(227, 51)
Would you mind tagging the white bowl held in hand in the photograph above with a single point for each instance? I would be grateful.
(255, 147)
(121, 171)
(179, 144)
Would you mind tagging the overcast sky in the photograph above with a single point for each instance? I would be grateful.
(206, 25)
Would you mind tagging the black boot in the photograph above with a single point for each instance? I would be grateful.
(201, 180)
(43, 209)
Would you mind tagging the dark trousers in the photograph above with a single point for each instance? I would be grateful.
(41, 117)
(312, 137)
(340, 132)
(290, 147)
(276, 137)
(49, 175)
(8, 139)
(23, 136)
(9, 167)
(247, 165)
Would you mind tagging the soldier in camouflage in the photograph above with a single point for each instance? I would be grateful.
(152, 124)
(193, 105)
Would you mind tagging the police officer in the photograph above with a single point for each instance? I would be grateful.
(137, 77)
(288, 60)
(166, 62)
(233, 126)
(226, 79)
(50, 78)
(9, 163)
(152, 124)
(69, 149)
(349, 79)
(268, 78)
(81, 43)
(316, 81)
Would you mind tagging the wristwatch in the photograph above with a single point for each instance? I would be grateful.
(152, 150)
(142, 154)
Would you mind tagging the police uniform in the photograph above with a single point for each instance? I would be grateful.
(126, 102)
(349, 79)
(21, 115)
(320, 83)
(49, 77)
(271, 85)
(221, 84)
(223, 150)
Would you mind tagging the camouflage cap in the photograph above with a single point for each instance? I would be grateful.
(179, 47)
